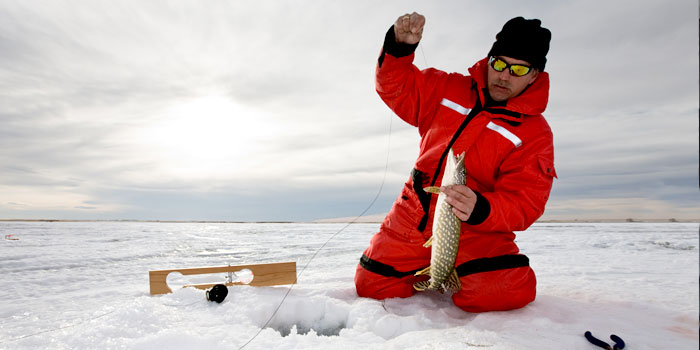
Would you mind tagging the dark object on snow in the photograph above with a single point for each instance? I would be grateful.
(217, 293)
(619, 343)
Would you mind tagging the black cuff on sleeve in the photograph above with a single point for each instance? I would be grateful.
(395, 49)
(481, 212)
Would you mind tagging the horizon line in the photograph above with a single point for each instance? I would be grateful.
(342, 220)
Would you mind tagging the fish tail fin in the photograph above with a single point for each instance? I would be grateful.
(453, 283)
(421, 286)
(432, 189)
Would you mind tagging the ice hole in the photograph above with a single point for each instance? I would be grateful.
(303, 315)
(303, 329)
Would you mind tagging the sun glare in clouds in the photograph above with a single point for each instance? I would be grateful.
(207, 137)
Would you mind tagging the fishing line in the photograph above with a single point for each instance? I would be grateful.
(59, 328)
(369, 206)
(80, 322)
(379, 191)
(423, 52)
(374, 200)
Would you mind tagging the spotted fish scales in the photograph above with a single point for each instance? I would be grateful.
(446, 233)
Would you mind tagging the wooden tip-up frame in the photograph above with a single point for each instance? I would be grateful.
(263, 275)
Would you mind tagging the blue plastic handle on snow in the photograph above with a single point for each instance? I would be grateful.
(597, 342)
(619, 343)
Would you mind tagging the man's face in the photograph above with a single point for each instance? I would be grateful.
(503, 85)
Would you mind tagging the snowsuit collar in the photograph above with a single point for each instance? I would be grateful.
(532, 101)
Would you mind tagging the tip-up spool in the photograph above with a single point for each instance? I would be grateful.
(217, 293)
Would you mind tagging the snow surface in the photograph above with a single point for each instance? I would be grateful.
(85, 286)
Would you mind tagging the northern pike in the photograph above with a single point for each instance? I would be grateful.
(444, 242)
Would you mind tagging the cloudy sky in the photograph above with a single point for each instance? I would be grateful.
(266, 110)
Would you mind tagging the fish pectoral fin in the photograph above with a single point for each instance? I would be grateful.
(428, 243)
(432, 189)
(421, 286)
(453, 283)
(423, 272)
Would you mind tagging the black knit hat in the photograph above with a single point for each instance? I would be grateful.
(523, 39)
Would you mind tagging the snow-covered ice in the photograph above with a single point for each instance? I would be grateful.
(84, 285)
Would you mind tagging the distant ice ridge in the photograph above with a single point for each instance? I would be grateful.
(85, 285)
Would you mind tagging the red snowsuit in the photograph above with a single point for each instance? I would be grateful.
(509, 163)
